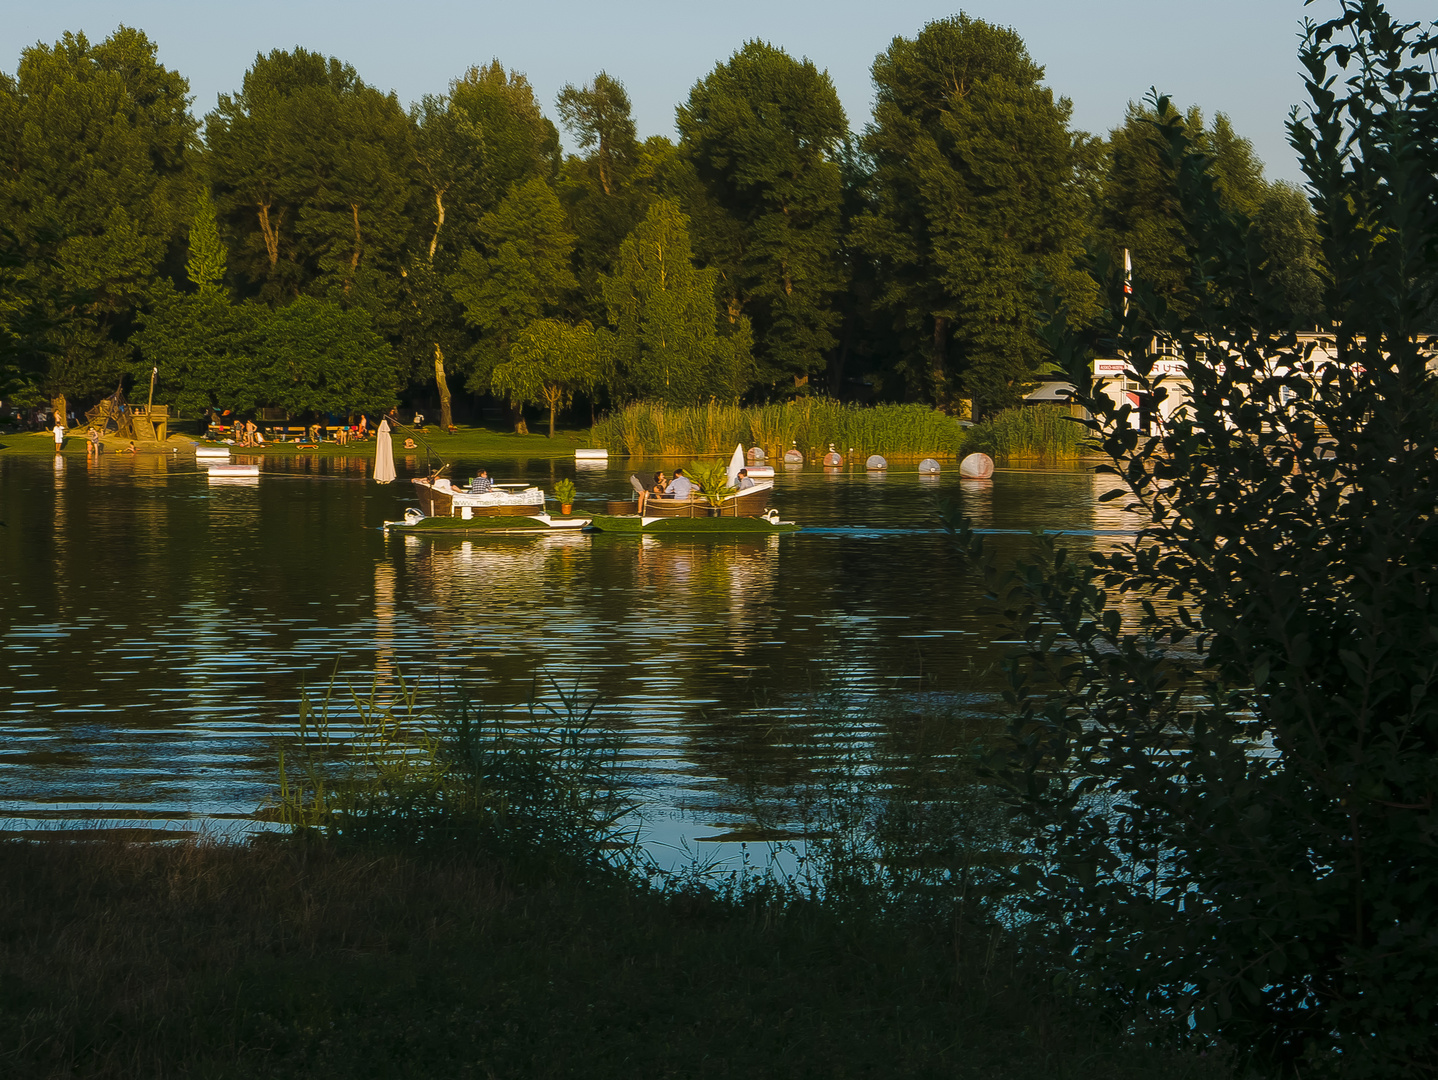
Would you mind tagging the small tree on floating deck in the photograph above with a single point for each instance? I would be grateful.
(547, 364)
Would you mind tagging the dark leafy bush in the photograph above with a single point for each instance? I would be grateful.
(1226, 730)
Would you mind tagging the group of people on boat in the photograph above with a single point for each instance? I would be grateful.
(682, 488)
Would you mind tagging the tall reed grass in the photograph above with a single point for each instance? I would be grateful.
(1032, 431)
(543, 786)
(810, 424)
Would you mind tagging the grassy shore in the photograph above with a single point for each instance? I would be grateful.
(298, 959)
(466, 442)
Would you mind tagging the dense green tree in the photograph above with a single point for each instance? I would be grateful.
(666, 344)
(1140, 208)
(28, 328)
(317, 356)
(313, 174)
(601, 192)
(978, 199)
(95, 191)
(549, 362)
(598, 116)
(1289, 235)
(200, 342)
(449, 153)
(519, 142)
(203, 347)
(519, 273)
(763, 131)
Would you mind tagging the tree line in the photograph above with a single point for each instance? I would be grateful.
(313, 244)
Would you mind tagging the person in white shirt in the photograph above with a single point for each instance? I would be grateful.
(681, 487)
(59, 436)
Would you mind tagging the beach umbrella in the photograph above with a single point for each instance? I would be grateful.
(383, 455)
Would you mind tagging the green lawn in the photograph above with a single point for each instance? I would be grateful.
(467, 442)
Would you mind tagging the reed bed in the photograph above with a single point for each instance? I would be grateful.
(810, 424)
(1033, 431)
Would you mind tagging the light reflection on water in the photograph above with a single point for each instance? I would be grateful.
(156, 628)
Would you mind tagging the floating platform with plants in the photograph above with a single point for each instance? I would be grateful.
(475, 526)
(633, 523)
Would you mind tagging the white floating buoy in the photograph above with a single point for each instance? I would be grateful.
(756, 453)
(596, 454)
(833, 459)
(928, 466)
(876, 463)
(221, 471)
(212, 451)
(977, 467)
(793, 457)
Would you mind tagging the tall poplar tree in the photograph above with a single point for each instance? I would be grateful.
(977, 199)
(449, 152)
(602, 201)
(763, 131)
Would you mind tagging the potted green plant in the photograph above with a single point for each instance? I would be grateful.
(564, 492)
(713, 478)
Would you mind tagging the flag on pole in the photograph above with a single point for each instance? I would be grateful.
(1127, 280)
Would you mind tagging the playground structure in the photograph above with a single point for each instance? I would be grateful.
(148, 423)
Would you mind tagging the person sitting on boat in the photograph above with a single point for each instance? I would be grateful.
(743, 481)
(481, 484)
(681, 487)
(655, 492)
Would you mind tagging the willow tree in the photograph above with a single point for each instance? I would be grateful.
(549, 362)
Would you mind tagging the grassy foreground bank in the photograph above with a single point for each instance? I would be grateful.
(301, 959)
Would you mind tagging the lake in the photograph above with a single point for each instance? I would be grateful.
(156, 629)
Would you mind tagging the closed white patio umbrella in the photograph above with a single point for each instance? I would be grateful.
(383, 455)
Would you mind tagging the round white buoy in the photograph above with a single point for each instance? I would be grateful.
(592, 454)
(876, 463)
(977, 467)
(928, 466)
(756, 453)
(832, 460)
(793, 457)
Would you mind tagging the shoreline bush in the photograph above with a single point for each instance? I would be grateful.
(1046, 432)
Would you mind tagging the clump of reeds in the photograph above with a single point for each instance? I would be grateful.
(409, 772)
(1031, 431)
(809, 424)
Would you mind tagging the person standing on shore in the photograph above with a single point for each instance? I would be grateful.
(92, 444)
(59, 435)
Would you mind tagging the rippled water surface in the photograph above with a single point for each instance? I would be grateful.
(156, 628)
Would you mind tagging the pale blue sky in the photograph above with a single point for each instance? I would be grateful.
(1233, 56)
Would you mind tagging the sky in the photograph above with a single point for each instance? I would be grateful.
(1232, 56)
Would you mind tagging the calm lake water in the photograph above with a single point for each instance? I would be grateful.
(156, 629)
